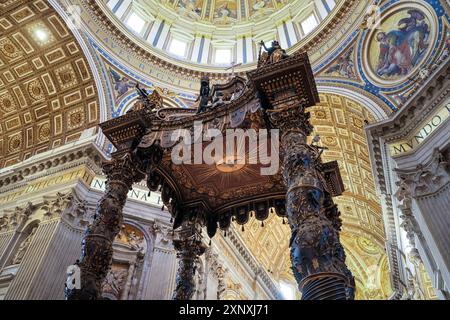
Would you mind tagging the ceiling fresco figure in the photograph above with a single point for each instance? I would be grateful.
(122, 84)
(225, 11)
(192, 8)
(344, 66)
(401, 49)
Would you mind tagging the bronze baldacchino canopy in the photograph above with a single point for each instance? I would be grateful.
(275, 96)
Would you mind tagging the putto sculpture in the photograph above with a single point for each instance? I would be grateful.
(203, 97)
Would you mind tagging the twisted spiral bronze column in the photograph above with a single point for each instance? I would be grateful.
(189, 246)
(318, 259)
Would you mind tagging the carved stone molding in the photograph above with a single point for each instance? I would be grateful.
(55, 206)
(58, 160)
(164, 235)
(428, 94)
(409, 222)
(79, 214)
(217, 269)
(424, 180)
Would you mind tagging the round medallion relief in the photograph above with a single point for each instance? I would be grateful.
(15, 143)
(7, 104)
(397, 49)
(9, 48)
(35, 90)
(44, 132)
(367, 245)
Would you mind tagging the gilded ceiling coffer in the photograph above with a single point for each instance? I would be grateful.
(233, 187)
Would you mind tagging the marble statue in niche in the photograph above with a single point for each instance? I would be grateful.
(18, 257)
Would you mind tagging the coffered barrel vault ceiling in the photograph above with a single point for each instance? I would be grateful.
(47, 92)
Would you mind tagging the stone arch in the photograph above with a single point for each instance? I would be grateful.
(378, 109)
(95, 69)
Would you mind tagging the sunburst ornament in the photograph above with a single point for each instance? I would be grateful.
(230, 164)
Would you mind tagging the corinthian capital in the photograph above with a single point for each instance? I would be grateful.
(13, 219)
(54, 206)
(163, 234)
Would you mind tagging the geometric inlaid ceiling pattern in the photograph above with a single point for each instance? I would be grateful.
(47, 93)
(339, 122)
